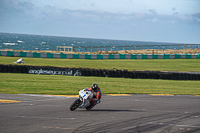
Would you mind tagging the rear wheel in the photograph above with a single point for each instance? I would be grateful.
(75, 104)
(90, 107)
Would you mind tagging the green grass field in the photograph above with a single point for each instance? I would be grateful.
(183, 65)
(62, 85)
(58, 84)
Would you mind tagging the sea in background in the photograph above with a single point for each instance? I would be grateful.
(43, 42)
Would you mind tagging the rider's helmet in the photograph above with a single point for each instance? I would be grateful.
(94, 86)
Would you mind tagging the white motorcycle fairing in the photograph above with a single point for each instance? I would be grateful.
(83, 101)
(85, 96)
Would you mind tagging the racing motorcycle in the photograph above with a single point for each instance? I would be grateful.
(83, 100)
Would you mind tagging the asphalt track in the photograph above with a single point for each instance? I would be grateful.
(115, 114)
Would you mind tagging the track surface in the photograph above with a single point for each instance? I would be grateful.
(115, 114)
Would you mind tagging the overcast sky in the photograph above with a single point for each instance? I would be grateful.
(138, 20)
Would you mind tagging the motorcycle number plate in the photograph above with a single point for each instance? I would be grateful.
(83, 94)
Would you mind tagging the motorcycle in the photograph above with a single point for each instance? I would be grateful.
(83, 100)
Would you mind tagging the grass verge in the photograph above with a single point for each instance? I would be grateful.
(13, 83)
(184, 65)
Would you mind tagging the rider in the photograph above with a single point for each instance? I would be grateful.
(97, 94)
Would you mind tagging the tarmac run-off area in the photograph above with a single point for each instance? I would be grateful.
(28, 113)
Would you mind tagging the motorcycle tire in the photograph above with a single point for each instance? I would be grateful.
(75, 104)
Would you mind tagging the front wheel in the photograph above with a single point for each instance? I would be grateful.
(75, 104)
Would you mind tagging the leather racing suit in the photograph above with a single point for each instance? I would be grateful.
(96, 95)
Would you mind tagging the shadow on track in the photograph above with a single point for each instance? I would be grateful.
(114, 110)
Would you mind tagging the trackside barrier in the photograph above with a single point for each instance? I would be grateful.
(99, 56)
(99, 72)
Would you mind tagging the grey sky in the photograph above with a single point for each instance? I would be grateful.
(138, 20)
